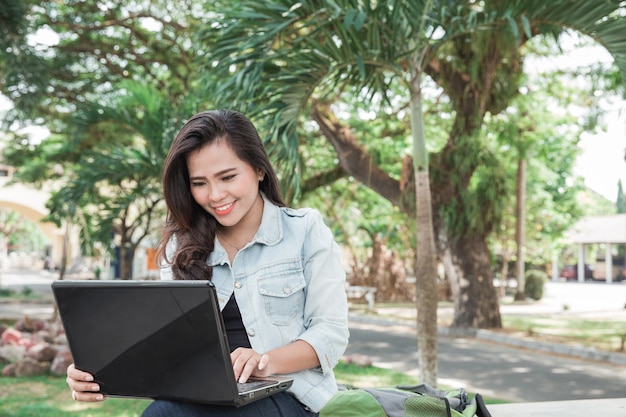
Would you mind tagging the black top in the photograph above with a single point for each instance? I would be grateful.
(236, 332)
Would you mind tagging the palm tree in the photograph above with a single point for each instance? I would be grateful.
(115, 186)
(280, 61)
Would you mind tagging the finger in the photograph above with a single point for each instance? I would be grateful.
(81, 386)
(78, 375)
(250, 366)
(263, 362)
(239, 358)
(87, 396)
(80, 381)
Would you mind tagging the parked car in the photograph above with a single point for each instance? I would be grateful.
(570, 272)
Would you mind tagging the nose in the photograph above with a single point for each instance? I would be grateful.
(216, 193)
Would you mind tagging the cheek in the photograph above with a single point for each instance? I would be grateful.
(197, 196)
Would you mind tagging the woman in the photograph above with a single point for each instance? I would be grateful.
(277, 271)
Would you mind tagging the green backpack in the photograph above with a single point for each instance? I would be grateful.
(417, 401)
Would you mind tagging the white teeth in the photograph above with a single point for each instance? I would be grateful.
(224, 208)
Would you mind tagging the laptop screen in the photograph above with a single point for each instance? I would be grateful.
(158, 339)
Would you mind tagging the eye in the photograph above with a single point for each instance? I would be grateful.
(197, 183)
(228, 177)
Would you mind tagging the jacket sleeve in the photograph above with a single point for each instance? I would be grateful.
(326, 305)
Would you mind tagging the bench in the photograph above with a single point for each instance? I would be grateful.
(357, 292)
(611, 407)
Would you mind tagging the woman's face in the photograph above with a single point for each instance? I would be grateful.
(225, 186)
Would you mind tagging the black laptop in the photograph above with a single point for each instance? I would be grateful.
(155, 339)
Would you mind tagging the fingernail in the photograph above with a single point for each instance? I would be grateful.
(95, 388)
(99, 397)
(89, 378)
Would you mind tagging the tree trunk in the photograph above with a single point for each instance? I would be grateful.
(127, 253)
(520, 227)
(471, 279)
(426, 282)
(504, 272)
(426, 263)
(463, 249)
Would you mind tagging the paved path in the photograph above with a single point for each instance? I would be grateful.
(497, 368)
(492, 369)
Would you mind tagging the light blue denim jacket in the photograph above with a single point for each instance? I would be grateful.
(289, 284)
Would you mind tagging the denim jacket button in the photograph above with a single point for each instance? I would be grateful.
(251, 333)
(238, 284)
(287, 290)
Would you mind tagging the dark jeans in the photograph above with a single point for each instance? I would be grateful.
(278, 405)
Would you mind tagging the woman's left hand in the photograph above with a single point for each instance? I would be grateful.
(246, 362)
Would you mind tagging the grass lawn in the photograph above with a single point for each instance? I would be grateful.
(605, 333)
(600, 332)
(50, 397)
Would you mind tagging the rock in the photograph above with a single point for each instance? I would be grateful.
(26, 341)
(27, 324)
(61, 361)
(30, 367)
(11, 353)
(9, 370)
(43, 336)
(60, 339)
(10, 336)
(42, 352)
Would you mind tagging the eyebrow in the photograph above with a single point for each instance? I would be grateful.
(217, 174)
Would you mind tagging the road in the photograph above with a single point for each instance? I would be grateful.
(491, 369)
(36, 280)
(504, 371)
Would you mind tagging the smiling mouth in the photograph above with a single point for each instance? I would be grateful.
(225, 209)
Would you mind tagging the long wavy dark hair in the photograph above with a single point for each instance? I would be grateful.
(191, 227)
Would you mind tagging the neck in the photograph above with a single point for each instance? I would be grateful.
(237, 236)
(226, 242)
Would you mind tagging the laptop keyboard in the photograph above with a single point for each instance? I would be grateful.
(252, 385)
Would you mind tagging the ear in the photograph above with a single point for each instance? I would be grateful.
(260, 174)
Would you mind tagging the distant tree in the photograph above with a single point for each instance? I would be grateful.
(70, 71)
(12, 22)
(621, 200)
(112, 188)
(68, 53)
(10, 223)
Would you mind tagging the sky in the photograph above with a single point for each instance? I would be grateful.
(602, 160)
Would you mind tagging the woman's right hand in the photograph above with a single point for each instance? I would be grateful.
(82, 385)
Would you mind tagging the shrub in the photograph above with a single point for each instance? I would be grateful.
(534, 281)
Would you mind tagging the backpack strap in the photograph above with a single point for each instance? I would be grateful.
(481, 410)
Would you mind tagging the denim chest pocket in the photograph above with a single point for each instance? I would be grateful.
(283, 295)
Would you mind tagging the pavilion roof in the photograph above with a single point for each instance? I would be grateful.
(599, 229)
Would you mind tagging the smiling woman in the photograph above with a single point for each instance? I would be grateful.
(277, 271)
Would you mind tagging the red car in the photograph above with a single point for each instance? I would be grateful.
(570, 272)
